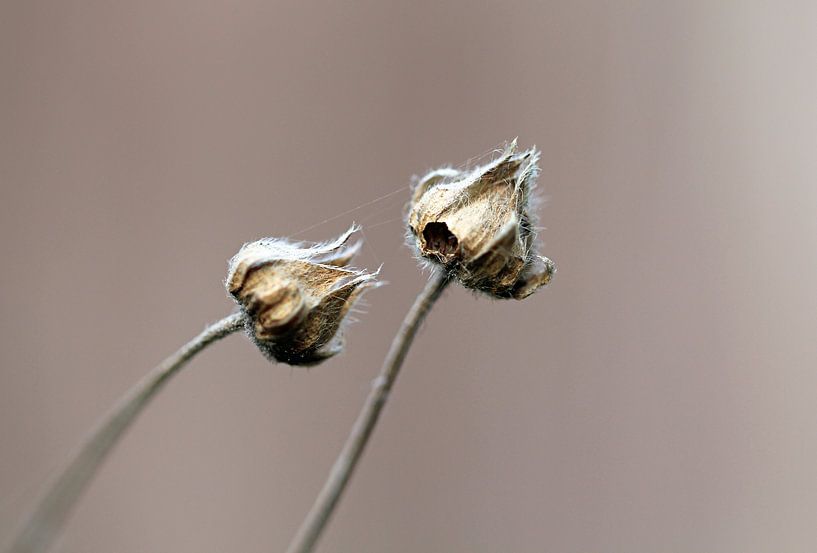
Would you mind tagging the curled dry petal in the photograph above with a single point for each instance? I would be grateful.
(297, 295)
(477, 225)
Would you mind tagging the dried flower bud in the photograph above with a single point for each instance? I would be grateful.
(476, 224)
(296, 295)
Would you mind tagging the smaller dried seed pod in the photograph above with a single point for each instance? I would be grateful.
(296, 295)
(477, 225)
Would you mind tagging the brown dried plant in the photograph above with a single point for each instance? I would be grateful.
(296, 296)
(475, 227)
(478, 226)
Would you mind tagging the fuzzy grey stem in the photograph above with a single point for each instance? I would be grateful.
(54, 508)
(311, 528)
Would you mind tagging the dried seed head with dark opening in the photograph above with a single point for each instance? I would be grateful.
(296, 295)
(477, 225)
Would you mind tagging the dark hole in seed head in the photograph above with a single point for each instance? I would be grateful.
(439, 239)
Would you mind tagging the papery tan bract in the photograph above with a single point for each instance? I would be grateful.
(297, 295)
(476, 224)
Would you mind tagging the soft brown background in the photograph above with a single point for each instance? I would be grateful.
(660, 396)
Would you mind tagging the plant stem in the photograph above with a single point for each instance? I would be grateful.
(311, 528)
(53, 509)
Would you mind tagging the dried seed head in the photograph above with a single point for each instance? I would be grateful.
(477, 225)
(297, 295)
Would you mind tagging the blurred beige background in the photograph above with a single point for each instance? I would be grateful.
(661, 395)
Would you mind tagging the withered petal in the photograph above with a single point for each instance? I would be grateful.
(538, 274)
(277, 310)
(433, 179)
(332, 247)
(254, 255)
(342, 256)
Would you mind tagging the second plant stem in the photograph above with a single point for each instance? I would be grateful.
(54, 508)
(328, 498)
